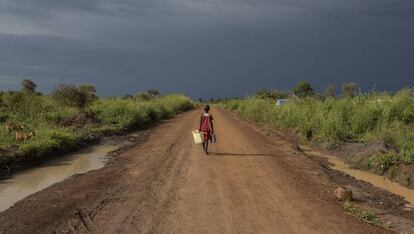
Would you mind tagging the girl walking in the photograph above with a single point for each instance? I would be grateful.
(206, 126)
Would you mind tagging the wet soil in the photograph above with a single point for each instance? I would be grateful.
(370, 191)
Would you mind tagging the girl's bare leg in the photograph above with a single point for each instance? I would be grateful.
(206, 147)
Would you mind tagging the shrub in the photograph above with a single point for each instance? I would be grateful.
(330, 91)
(88, 90)
(28, 86)
(349, 89)
(303, 89)
(73, 96)
(382, 162)
(154, 93)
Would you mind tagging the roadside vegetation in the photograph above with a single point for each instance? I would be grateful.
(366, 215)
(35, 126)
(353, 117)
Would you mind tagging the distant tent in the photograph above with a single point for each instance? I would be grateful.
(281, 102)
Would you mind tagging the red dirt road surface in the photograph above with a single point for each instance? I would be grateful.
(249, 184)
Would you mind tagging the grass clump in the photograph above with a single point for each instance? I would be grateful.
(368, 216)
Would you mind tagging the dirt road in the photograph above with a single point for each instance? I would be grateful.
(249, 184)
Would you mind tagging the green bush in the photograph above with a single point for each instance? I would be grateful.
(78, 97)
(382, 162)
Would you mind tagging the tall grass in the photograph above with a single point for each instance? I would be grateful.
(42, 115)
(123, 114)
(372, 116)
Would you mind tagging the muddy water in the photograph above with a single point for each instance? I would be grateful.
(376, 180)
(33, 180)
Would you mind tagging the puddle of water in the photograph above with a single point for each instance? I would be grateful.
(27, 182)
(376, 180)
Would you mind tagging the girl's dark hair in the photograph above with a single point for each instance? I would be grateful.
(207, 108)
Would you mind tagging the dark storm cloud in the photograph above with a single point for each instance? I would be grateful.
(42, 8)
(232, 46)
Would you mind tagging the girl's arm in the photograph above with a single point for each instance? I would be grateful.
(201, 121)
(212, 127)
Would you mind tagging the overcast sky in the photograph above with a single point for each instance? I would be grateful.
(206, 48)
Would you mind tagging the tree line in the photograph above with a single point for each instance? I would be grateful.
(79, 97)
(304, 89)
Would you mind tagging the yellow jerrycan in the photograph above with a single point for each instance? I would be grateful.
(198, 137)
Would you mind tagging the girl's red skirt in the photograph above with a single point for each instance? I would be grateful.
(207, 135)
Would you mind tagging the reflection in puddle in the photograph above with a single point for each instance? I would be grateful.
(33, 180)
(376, 180)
